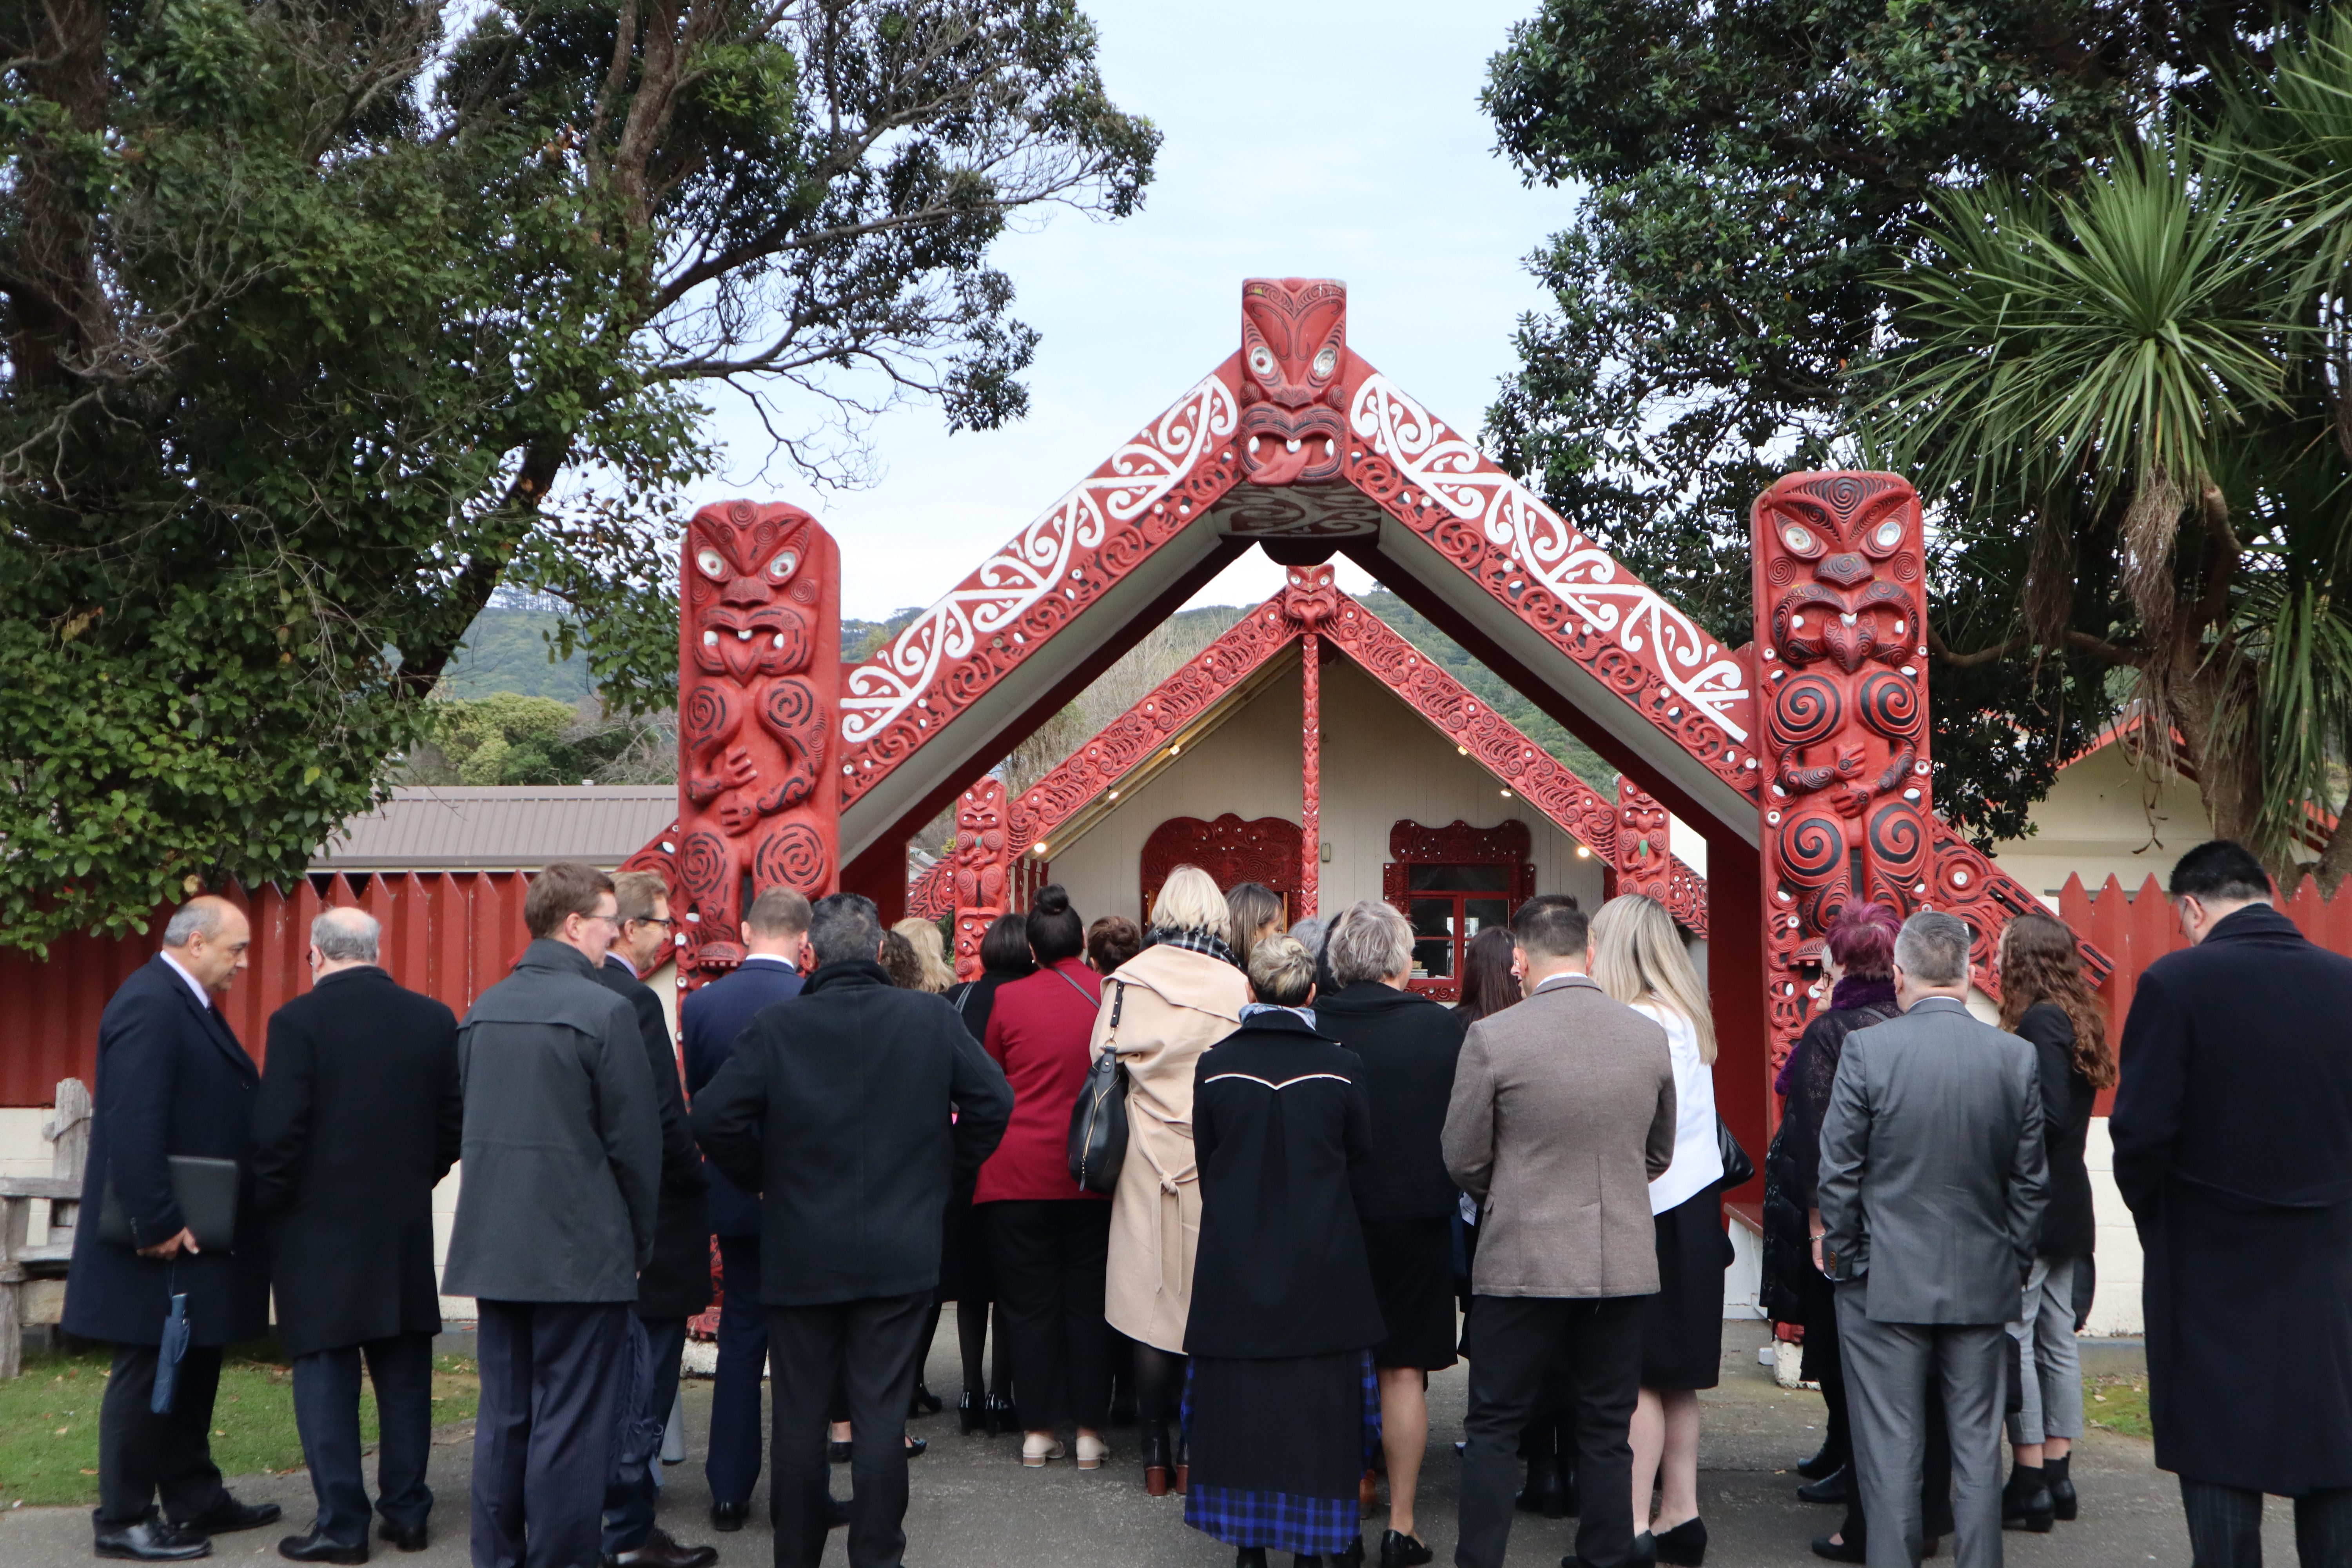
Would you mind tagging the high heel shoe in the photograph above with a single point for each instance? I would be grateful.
(923, 1402)
(971, 1414)
(1155, 1466)
(1684, 1546)
(998, 1414)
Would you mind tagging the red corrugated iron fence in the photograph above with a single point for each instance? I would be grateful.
(450, 935)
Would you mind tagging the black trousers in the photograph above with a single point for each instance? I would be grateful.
(1512, 1339)
(629, 1508)
(1047, 1256)
(327, 1413)
(544, 1431)
(141, 1453)
(871, 1346)
(733, 1463)
(2225, 1527)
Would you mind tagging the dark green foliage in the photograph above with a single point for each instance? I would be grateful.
(320, 326)
(1748, 175)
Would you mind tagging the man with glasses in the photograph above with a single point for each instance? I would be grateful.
(562, 1169)
(677, 1284)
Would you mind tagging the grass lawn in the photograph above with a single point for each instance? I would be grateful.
(2117, 1404)
(49, 1419)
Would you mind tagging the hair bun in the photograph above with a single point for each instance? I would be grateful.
(1051, 899)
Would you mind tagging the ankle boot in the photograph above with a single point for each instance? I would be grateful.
(2026, 1500)
(2063, 1501)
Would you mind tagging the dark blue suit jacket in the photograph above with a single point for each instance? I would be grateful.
(709, 1022)
(171, 1079)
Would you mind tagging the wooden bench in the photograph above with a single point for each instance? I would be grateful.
(33, 1278)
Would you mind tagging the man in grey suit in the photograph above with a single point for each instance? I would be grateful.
(1563, 1114)
(1932, 1188)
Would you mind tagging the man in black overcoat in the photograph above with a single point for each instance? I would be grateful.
(775, 931)
(677, 1284)
(171, 1079)
(851, 1112)
(2232, 1134)
(358, 1118)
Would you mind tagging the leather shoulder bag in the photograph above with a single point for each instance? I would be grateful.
(1099, 1121)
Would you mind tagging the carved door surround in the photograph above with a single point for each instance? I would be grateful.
(1264, 850)
(1452, 882)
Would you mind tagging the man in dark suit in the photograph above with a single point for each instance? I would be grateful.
(2232, 1133)
(358, 1118)
(852, 1113)
(709, 1021)
(1932, 1185)
(171, 1079)
(677, 1284)
(562, 1171)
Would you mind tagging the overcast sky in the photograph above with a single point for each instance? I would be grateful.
(1310, 139)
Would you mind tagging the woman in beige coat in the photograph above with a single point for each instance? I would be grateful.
(1160, 1010)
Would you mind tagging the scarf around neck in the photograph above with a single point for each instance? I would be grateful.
(1193, 939)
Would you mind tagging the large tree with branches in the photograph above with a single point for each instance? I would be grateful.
(321, 322)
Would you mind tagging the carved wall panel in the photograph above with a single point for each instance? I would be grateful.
(982, 863)
(1264, 850)
(1646, 863)
(759, 701)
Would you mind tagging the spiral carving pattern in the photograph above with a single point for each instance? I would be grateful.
(791, 708)
(706, 719)
(1899, 840)
(1806, 712)
(703, 864)
(1812, 850)
(1889, 704)
(793, 855)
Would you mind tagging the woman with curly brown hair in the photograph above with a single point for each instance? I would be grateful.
(2046, 999)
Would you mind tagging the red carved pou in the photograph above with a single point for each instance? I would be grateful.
(1842, 660)
(1645, 858)
(1293, 347)
(759, 690)
(982, 859)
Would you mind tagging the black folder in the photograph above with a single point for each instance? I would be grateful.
(206, 1192)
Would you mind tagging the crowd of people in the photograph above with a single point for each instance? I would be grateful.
(1330, 1186)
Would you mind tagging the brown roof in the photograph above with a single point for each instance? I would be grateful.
(501, 827)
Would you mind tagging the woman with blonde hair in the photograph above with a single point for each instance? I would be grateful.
(1638, 958)
(1160, 1010)
(931, 952)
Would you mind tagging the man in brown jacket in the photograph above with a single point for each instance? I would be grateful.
(1563, 1111)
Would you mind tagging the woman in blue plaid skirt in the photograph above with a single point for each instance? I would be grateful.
(1281, 1411)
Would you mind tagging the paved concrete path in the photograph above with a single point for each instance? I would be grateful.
(974, 1504)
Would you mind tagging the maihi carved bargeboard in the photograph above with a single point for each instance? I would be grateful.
(758, 697)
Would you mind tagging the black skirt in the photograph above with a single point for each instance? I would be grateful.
(1682, 1331)
(1276, 1449)
(1413, 1279)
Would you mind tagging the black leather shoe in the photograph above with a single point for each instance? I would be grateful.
(728, 1516)
(836, 1511)
(316, 1548)
(836, 1453)
(2064, 1503)
(1399, 1550)
(1837, 1487)
(917, 1446)
(1825, 1462)
(1353, 1557)
(998, 1414)
(152, 1540)
(1684, 1546)
(1249, 1557)
(2026, 1502)
(1645, 1550)
(228, 1515)
(923, 1402)
(409, 1537)
(969, 1415)
(660, 1551)
(1547, 1490)
(1840, 1551)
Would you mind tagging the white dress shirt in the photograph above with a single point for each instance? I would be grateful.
(1698, 1148)
(204, 997)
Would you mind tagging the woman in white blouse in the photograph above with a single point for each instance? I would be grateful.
(1638, 958)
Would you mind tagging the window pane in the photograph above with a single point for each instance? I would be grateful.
(1478, 914)
(1432, 917)
(1433, 959)
(1490, 878)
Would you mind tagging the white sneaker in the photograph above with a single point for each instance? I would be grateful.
(1092, 1452)
(1037, 1449)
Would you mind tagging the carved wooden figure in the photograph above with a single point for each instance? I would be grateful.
(758, 692)
(1842, 660)
(983, 861)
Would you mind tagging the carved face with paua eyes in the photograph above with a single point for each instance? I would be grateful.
(1294, 352)
(746, 559)
(1844, 604)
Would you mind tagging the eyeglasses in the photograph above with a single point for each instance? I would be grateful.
(612, 919)
(662, 921)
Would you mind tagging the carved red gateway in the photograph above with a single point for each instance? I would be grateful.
(759, 689)
(1842, 660)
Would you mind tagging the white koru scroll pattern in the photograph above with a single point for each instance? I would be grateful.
(1577, 572)
(1036, 561)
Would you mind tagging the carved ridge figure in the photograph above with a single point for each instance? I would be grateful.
(1293, 428)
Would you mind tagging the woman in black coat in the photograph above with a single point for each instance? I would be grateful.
(965, 1277)
(1279, 1408)
(1408, 1046)
(2045, 999)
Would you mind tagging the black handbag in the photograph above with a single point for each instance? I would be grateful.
(1739, 1170)
(1099, 1121)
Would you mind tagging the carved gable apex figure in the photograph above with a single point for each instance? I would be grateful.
(1294, 353)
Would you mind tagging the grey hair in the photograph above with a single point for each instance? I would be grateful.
(1281, 972)
(845, 928)
(1369, 942)
(200, 917)
(346, 934)
(1933, 948)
